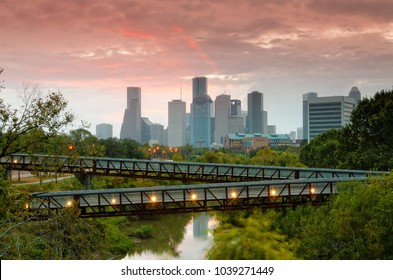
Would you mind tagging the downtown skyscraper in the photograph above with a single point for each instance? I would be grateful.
(176, 123)
(222, 114)
(257, 117)
(200, 126)
(131, 127)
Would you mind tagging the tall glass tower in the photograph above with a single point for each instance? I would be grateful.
(200, 126)
(131, 127)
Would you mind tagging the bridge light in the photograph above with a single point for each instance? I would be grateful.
(273, 193)
(70, 148)
(313, 190)
(234, 195)
(15, 161)
(113, 200)
(194, 196)
(69, 203)
(153, 199)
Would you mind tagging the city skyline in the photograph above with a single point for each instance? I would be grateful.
(92, 52)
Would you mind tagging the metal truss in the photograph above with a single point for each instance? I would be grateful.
(191, 198)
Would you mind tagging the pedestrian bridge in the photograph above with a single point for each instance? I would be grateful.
(221, 186)
(188, 198)
(169, 170)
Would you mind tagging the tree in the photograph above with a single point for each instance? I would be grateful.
(367, 140)
(36, 121)
(322, 151)
(245, 236)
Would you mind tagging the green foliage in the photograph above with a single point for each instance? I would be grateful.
(249, 237)
(322, 151)
(38, 119)
(144, 231)
(65, 236)
(124, 148)
(269, 157)
(117, 241)
(357, 224)
(367, 140)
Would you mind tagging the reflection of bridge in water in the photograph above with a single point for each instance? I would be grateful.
(235, 187)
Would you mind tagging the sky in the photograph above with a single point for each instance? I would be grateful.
(91, 51)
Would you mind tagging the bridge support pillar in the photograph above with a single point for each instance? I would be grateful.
(85, 180)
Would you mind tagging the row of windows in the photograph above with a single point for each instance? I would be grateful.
(318, 105)
(312, 118)
(321, 128)
(324, 122)
(338, 110)
(325, 114)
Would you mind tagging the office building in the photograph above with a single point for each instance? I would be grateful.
(236, 110)
(177, 128)
(145, 130)
(310, 95)
(271, 129)
(200, 126)
(104, 131)
(131, 127)
(324, 113)
(156, 134)
(256, 117)
(235, 124)
(299, 133)
(222, 106)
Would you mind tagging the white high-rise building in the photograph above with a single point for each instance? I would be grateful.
(177, 123)
(131, 127)
(329, 112)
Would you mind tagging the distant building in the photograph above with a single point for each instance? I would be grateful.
(177, 128)
(131, 127)
(152, 133)
(321, 114)
(271, 129)
(256, 117)
(222, 113)
(201, 123)
(104, 131)
(236, 110)
(299, 133)
(251, 141)
(235, 124)
(157, 134)
(310, 95)
(292, 135)
(145, 130)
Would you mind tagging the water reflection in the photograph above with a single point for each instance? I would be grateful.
(196, 241)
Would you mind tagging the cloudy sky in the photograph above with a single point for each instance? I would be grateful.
(92, 50)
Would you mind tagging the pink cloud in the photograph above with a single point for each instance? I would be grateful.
(283, 48)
